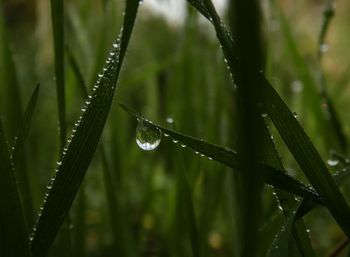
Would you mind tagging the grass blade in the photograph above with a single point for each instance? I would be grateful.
(14, 237)
(57, 15)
(279, 246)
(25, 126)
(230, 158)
(119, 230)
(11, 98)
(78, 153)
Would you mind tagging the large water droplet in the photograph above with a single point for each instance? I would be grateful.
(147, 136)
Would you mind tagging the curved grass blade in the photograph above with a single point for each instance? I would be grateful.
(14, 237)
(230, 158)
(24, 128)
(81, 146)
(292, 133)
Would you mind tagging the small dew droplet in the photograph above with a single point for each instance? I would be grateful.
(332, 162)
(169, 120)
(147, 137)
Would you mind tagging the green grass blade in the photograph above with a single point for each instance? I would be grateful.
(316, 100)
(186, 204)
(333, 116)
(57, 16)
(81, 146)
(122, 245)
(18, 157)
(10, 93)
(14, 236)
(25, 126)
(230, 158)
(279, 246)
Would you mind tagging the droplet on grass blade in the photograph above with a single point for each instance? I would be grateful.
(333, 162)
(147, 137)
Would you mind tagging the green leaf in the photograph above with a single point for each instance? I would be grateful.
(57, 16)
(81, 146)
(23, 130)
(14, 239)
(230, 158)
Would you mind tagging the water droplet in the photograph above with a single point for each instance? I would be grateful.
(165, 134)
(264, 114)
(147, 136)
(297, 86)
(115, 45)
(183, 145)
(333, 162)
(169, 120)
(59, 163)
(175, 141)
(295, 114)
(100, 75)
(324, 47)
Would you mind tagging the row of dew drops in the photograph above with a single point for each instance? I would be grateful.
(110, 61)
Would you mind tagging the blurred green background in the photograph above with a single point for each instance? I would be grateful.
(173, 69)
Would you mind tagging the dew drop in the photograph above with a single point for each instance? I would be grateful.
(183, 145)
(115, 45)
(147, 137)
(332, 162)
(324, 48)
(169, 120)
(297, 86)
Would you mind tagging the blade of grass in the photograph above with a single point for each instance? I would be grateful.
(15, 241)
(228, 157)
(23, 130)
(81, 146)
(279, 246)
(57, 15)
(17, 158)
(333, 116)
(11, 100)
(186, 204)
(118, 228)
(293, 134)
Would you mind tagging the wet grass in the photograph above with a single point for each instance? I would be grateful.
(229, 168)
